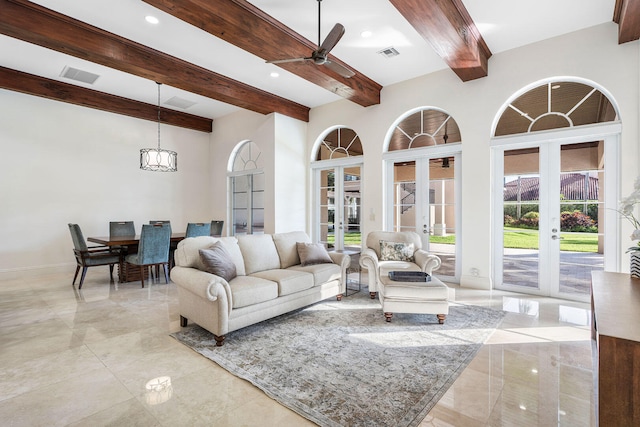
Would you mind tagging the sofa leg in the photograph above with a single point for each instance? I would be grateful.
(183, 321)
(372, 295)
(219, 340)
(388, 316)
(339, 297)
(441, 318)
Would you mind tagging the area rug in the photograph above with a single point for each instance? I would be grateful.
(339, 363)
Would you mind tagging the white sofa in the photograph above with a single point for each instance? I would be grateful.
(270, 281)
(371, 259)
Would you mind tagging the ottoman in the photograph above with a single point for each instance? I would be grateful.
(414, 297)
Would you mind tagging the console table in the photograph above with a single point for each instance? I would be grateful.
(615, 327)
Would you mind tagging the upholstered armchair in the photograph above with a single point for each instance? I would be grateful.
(387, 251)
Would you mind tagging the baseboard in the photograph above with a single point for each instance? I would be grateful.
(475, 282)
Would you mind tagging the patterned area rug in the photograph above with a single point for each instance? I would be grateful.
(340, 364)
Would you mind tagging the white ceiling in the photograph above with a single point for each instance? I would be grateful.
(504, 24)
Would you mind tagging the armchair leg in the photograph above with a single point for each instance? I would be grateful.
(372, 295)
(111, 272)
(142, 268)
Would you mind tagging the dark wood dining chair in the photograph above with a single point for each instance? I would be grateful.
(153, 250)
(91, 256)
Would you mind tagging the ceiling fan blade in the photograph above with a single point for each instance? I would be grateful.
(332, 39)
(282, 61)
(340, 69)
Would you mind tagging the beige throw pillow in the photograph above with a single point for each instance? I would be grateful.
(217, 260)
(312, 253)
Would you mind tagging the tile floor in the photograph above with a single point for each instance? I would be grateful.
(89, 358)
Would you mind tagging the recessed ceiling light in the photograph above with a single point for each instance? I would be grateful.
(151, 19)
(274, 74)
(366, 34)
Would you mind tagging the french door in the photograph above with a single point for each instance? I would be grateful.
(422, 196)
(338, 206)
(554, 224)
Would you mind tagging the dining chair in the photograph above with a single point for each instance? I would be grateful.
(159, 221)
(121, 228)
(195, 229)
(91, 256)
(153, 250)
(216, 228)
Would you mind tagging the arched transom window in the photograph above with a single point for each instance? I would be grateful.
(338, 143)
(555, 105)
(424, 128)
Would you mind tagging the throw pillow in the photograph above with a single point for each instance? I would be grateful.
(394, 251)
(312, 253)
(217, 260)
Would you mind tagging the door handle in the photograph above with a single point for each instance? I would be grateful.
(556, 237)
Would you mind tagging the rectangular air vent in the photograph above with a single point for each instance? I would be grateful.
(179, 102)
(79, 75)
(389, 52)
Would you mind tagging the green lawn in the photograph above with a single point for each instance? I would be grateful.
(518, 238)
(528, 239)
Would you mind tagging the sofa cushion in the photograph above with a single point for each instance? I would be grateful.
(322, 273)
(259, 252)
(286, 246)
(289, 281)
(396, 251)
(187, 253)
(249, 290)
(312, 253)
(217, 261)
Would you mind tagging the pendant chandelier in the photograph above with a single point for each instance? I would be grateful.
(157, 159)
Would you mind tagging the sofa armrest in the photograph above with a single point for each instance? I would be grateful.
(203, 284)
(344, 261)
(426, 261)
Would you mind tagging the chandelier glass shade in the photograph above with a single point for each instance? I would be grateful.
(158, 159)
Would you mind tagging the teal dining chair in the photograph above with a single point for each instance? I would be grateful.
(91, 256)
(216, 228)
(153, 250)
(195, 229)
(121, 228)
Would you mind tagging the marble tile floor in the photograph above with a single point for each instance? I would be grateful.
(101, 356)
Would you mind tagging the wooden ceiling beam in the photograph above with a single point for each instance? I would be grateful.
(52, 89)
(626, 13)
(35, 24)
(242, 24)
(448, 27)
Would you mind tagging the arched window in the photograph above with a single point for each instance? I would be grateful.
(246, 184)
(422, 182)
(337, 174)
(553, 105)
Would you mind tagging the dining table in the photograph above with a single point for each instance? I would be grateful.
(125, 272)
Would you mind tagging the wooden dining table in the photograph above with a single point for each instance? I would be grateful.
(125, 273)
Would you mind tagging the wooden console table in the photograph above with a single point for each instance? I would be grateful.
(615, 327)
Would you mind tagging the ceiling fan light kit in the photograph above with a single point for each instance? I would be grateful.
(319, 56)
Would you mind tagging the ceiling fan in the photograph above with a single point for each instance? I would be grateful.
(319, 56)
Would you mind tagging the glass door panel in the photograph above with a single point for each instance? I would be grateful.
(404, 196)
(327, 206)
(442, 214)
(521, 212)
(240, 211)
(581, 217)
(352, 212)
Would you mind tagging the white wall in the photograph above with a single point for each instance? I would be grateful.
(64, 163)
(281, 141)
(592, 54)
